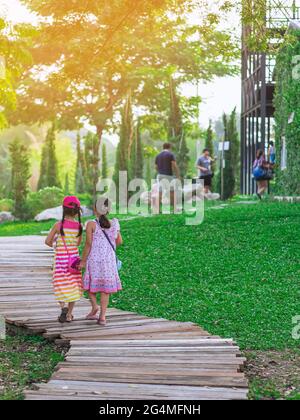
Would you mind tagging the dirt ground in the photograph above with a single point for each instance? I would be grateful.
(273, 374)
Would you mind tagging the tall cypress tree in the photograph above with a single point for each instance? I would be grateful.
(104, 170)
(228, 171)
(233, 136)
(80, 168)
(67, 185)
(49, 165)
(90, 155)
(20, 175)
(209, 142)
(139, 171)
(125, 143)
(52, 170)
(176, 131)
(42, 183)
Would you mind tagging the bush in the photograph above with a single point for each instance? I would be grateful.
(46, 198)
(6, 205)
(86, 200)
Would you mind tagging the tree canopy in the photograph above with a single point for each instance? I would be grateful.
(88, 54)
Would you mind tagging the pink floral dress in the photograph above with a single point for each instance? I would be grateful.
(101, 270)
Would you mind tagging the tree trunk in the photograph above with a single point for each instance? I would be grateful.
(96, 151)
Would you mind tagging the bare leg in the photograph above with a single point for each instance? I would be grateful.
(104, 304)
(62, 305)
(172, 198)
(95, 307)
(71, 306)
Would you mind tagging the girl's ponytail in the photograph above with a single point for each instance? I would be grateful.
(104, 222)
(79, 220)
(62, 232)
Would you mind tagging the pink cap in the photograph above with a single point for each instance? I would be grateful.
(71, 202)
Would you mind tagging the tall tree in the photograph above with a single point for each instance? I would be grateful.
(104, 170)
(234, 138)
(49, 166)
(92, 170)
(122, 43)
(227, 175)
(126, 139)
(209, 142)
(177, 132)
(20, 175)
(80, 168)
(52, 170)
(139, 168)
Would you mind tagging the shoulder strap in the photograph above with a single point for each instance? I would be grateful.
(106, 235)
(64, 242)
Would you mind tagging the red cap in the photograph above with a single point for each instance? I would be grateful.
(71, 202)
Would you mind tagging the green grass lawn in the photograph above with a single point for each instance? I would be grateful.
(24, 361)
(236, 275)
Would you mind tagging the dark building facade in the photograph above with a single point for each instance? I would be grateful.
(271, 19)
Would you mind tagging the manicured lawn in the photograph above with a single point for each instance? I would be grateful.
(25, 360)
(237, 274)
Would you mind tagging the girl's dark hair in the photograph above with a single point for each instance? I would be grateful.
(259, 153)
(103, 220)
(76, 211)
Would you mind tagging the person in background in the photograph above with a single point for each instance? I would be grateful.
(261, 173)
(167, 169)
(271, 153)
(204, 165)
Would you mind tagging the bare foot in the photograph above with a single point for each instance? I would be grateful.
(92, 316)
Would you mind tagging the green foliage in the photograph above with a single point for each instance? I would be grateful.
(139, 169)
(287, 101)
(137, 154)
(209, 143)
(91, 157)
(67, 185)
(122, 45)
(13, 59)
(46, 198)
(6, 205)
(104, 164)
(20, 175)
(231, 170)
(25, 360)
(80, 168)
(125, 143)
(177, 132)
(49, 176)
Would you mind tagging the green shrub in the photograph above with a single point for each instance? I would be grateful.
(86, 199)
(6, 205)
(287, 104)
(46, 198)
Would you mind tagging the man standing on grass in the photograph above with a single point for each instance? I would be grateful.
(168, 171)
(204, 165)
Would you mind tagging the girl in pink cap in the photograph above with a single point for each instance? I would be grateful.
(66, 236)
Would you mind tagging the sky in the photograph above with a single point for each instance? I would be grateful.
(221, 95)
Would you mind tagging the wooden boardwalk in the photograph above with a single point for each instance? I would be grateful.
(134, 357)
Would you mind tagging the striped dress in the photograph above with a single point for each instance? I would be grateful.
(67, 286)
